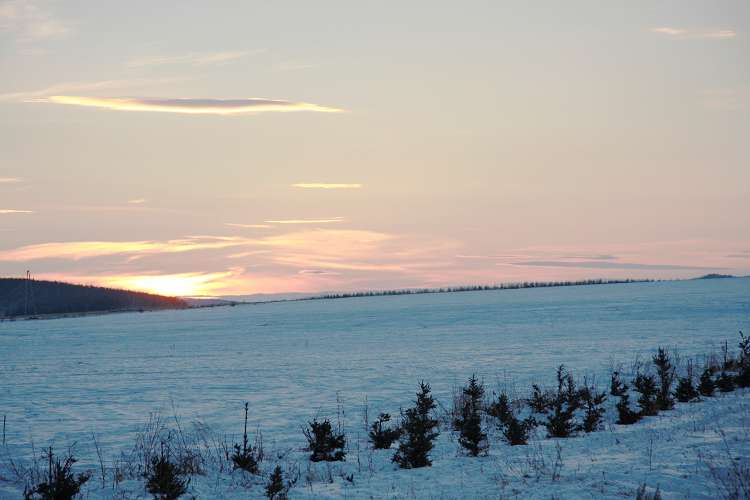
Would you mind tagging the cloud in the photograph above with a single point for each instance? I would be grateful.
(28, 22)
(13, 211)
(76, 250)
(681, 33)
(248, 226)
(318, 272)
(669, 31)
(194, 59)
(319, 185)
(613, 265)
(137, 201)
(10, 180)
(189, 105)
(66, 87)
(306, 221)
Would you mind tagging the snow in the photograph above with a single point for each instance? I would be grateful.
(62, 380)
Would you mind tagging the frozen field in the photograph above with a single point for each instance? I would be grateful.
(61, 380)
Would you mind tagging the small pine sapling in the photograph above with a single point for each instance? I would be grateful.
(164, 480)
(61, 483)
(501, 409)
(706, 386)
(324, 444)
(666, 373)
(625, 415)
(419, 432)
(685, 391)
(245, 457)
(560, 422)
(275, 488)
(472, 437)
(539, 402)
(382, 436)
(516, 432)
(646, 386)
(725, 382)
(743, 377)
(593, 405)
(617, 388)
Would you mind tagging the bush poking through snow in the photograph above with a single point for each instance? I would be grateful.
(646, 386)
(419, 432)
(666, 372)
(275, 488)
(560, 421)
(164, 480)
(516, 432)
(743, 377)
(616, 387)
(625, 415)
(245, 457)
(592, 403)
(382, 436)
(61, 483)
(725, 382)
(472, 438)
(539, 401)
(501, 409)
(706, 386)
(642, 494)
(685, 391)
(325, 445)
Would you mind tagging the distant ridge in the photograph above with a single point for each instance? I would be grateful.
(34, 298)
(450, 289)
(714, 276)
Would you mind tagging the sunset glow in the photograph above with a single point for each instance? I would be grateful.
(176, 285)
(460, 145)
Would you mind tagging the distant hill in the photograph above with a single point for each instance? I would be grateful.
(714, 276)
(19, 297)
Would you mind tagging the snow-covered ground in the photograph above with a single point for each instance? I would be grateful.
(62, 380)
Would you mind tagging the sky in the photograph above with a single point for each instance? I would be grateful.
(225, 148)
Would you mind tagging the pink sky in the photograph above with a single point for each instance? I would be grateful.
(343, 147)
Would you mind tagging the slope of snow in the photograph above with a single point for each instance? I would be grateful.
(61, 380)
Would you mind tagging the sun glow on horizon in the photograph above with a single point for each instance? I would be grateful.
(173, 285)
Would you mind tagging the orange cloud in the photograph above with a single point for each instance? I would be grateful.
(248, 226)
(76, 250)
(188, 105)
(320, 185)
(306, 221)
(13, 211)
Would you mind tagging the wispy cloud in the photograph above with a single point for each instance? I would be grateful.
(194, 58)
(665, 30)
(28, 22)
(10, 180)
(188, 105)
(248, 226)
(137, 201)
(75, 250)
(306, 221)
(687, 34)
(69, 87)
(614, 265)
(13, 211)
(322, 185)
